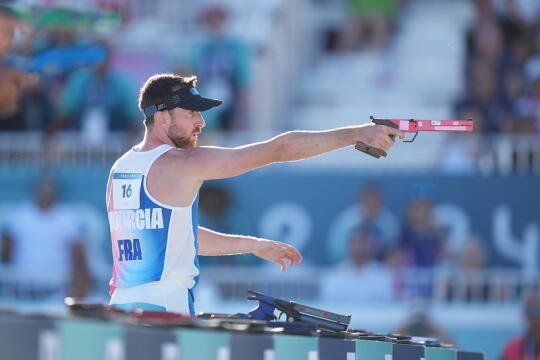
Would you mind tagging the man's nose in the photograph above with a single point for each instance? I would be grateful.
(201, 121)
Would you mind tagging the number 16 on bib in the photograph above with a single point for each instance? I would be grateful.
(126, 189)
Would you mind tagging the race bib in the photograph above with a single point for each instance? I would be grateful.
(126, 188)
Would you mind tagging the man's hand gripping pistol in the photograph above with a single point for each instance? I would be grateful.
(415, 126)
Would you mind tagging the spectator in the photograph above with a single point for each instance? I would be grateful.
(487, 44)
(527, 345)
(529, 108)
(472, 257)
(482, 95)
(420, 324)
(24, 105)
(467, 282)
(360, 277)
(500, 48)
(374, 17)
(459, 154)
(37, 109)
(12, 83)
(421, 240)
(422, 244)
(20, 91)
(394, 260)
(8, 24)
(523, 13)
(98, 100)
(513, 87)
(371, 22)
(215, 207)
(32, 109)
(215, 212)
(42, 238)
(222, 64)
(369, 213)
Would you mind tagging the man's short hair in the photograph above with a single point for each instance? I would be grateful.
(158, 87)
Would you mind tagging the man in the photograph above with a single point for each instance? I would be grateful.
(43, 237)
(361, 276)
(99, 99)
(152, 194)
(370, 213)
(222, 63)
(8, 24)
(12, 81)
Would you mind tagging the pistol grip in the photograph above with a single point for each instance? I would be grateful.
(373, 151)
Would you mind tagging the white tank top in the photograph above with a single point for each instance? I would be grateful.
(151, 241)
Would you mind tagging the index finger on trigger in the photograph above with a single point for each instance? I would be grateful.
(396, 132)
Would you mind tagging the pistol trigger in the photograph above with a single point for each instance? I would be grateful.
(414, 137)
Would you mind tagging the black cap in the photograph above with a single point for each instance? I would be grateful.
(187, 98)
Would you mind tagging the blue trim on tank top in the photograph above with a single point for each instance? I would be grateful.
(139, 305)
(195, 224)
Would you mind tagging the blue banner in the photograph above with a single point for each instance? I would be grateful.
(314, 210)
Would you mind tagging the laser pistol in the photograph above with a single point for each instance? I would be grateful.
(295, 312)
(415, 126)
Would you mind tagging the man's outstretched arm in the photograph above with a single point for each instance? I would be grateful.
(214, 162)
(213, 243)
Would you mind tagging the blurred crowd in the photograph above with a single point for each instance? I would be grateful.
(44, 250)
(59, 72)
(502, 68)
(54, 92)
(383, 256)
(368, 25)
(501, 73)
(379, 255)
(396, 258)
(502, 95)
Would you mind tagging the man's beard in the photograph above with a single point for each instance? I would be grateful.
(184, 142)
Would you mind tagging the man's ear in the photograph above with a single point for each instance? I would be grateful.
(160, 118)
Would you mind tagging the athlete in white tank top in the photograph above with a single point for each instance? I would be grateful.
(153, 189)
(152, 243)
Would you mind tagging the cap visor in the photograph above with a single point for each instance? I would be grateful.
(201, 104)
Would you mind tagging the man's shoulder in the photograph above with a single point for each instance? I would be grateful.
(122, 157)
(120, 160)
(180, 156)
(169, 162)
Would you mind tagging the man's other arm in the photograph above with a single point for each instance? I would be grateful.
(213, 243)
